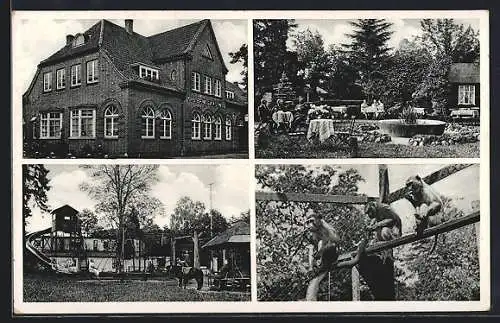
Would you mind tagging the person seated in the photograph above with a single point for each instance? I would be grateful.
(93, 269)
(263, 112)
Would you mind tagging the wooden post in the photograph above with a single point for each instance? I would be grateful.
(356, 294)
(310, 257)
(172, 244)
(377, 272)
(196, 252)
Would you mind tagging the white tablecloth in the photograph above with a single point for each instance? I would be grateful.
(323, 127)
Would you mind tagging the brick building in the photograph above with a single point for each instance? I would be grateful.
(111, 91)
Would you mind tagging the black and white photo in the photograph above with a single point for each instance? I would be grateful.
(381, 87)
(136, 233)
(367, 232)
(133, 88)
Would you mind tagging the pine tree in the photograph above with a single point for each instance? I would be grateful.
(369, 51)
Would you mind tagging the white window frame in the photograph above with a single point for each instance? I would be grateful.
(196, 126)
(148, 114)
(47, 117)
(207, 126)
(93, 71)
(79, 40)
(166, 118)
(47, 81)
(148, 72)
(208, 85)
(218, 88)
(467, 94)
(228, 128)
(208, 52)
(78, 125)
(196, 81)
(173, 75)
(76, 75)
(60, 78)
(111, 113)
(218, 128)
(229, 95)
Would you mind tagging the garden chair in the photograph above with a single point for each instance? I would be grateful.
(345, 139)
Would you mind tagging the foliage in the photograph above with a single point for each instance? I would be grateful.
(451, 273)
(282, 253)
(35, 187)
(241, 56)
(119, 189)
(445, 38)
(435, 86)
(243, 216)
(270, 36)
(341, 80)
(88, 221)
(369, 52)
(408, 115)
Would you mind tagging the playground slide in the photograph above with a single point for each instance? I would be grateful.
(38, 254)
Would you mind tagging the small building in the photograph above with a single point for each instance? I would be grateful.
(110, 91)
(464, 79)
(232, 246)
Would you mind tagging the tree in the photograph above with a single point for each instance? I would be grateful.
(444, 37)
(88, 221)
(35, 188)
(369, 52)
(312, 57)
(341, 80)
(243, 216)
(270, 36)
(117, 188)
(241, 56)
(282, 255)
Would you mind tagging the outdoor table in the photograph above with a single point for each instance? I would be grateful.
(324, 128)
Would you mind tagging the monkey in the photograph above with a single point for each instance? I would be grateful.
(427, 203)
(327, 238)
(385, 222)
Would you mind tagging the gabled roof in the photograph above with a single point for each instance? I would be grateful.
(238, 233)
(65, 210)
(240, 96)
(464, 73)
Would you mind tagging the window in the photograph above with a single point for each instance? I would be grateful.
(105, 245)
(173, 75)
(166, 124)
(93, 71)
(196, 126)
(82, 123)
(208, 85)
(228, 128)
(466, 94)
(79, 40)
(195, 79)
(218, 128)
(61, 78)
(95, 245)
(148, 73)
(148, 123)
(207, 52)
(207, 127)
(47, 82)
(76, 78)
(218, 88)
(230, 95)
(50, 125)
(111, 122)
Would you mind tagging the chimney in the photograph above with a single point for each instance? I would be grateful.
(129, 26)
(69, 39)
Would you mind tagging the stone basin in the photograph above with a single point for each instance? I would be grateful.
(397, 128)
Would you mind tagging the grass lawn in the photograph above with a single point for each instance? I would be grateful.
(53, 289)
(299, 147)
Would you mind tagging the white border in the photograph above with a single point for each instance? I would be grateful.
(21, 307)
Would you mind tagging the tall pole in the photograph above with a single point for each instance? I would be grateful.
(211, 227)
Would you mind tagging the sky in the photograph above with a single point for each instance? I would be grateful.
(334, 31)
(229, 191)
(462, 187)
(35, 43)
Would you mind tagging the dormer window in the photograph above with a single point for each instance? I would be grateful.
(79, 40)
(207, 52)
(148, 73)
(229, 95)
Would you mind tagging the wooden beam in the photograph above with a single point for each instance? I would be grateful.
(309, 197)
(430, 179)
(442, 228)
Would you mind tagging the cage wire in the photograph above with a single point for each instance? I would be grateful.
(285, 262)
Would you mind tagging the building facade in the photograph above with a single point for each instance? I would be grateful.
(113, 92)
(465, 80)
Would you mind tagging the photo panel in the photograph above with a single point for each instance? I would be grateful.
(369, 232)
(362, 85)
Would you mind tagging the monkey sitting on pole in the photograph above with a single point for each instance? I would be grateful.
(327, 239)
(427, 203)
